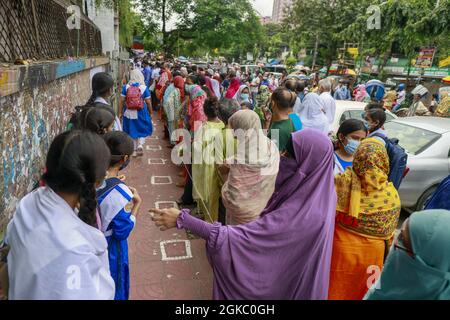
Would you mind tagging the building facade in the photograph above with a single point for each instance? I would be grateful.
(107, 20)
(278, 9)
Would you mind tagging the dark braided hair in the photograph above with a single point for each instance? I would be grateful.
(76, 162)
(96, 119)
(101, 83)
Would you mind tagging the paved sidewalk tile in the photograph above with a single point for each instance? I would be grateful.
(151, 278)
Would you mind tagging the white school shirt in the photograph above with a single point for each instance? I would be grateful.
(117, 124)
(54, 255)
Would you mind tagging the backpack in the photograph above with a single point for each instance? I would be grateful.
(398, 159)
(134, 99)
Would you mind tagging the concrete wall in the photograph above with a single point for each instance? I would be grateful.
(106, 20)
(35, 105)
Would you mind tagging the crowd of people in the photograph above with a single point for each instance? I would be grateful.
(287, 211)
(397, 100)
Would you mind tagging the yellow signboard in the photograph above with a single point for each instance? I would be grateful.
(444, 63)
(353, 51)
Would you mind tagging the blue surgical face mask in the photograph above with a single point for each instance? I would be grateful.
(351, 146)
(125, 164)
(245, 96)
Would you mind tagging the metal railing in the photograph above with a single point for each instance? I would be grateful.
(37, 29)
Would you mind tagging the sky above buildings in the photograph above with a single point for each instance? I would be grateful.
(264, 7)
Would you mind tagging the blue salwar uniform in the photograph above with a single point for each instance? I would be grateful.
(138, 124)
(441, 197)
(115, 204)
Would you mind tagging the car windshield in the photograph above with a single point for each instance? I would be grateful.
(414, 140)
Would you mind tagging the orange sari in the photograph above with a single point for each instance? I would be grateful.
(367, 214)
(355, 262)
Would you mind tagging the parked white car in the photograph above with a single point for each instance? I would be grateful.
(352, 110)
(427, 142)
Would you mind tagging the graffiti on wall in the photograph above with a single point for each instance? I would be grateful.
(30, 120)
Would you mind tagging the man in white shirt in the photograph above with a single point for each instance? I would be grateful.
(156, 72)
(328, 100)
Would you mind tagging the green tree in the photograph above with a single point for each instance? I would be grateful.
(228, 27)
(405, 25)
(157, 13)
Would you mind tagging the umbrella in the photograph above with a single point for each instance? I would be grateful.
(446, 79)
(376, 90)
(350, 72)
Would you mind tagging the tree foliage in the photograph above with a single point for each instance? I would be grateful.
(405, 26)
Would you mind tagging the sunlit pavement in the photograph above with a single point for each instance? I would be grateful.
(170, 264)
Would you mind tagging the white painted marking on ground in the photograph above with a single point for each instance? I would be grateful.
(153, 148)
(154, 138)
(187, 244)
(156, 161)
(166, 180)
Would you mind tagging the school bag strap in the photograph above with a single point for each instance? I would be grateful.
(398, 159)
(111, 183)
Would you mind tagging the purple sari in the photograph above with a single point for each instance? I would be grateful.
(285, 254)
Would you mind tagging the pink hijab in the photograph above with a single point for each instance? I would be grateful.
(361, 94)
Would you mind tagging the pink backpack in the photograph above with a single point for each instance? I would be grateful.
(134, 98)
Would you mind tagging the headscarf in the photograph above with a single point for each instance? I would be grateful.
(312, 114)
(427, 275)
(238, 94)
(233, 88)
(285, 254)
(254, 169)
(441, 197)
(178, 82)
(389, 99)
(194, 91)
(443, 109)
(209, 84)
(256, 143)
(263, 96)
(365, 193)
(184, 72)
(136, 76)
(216, 87)
(361, 93)
(196, 113)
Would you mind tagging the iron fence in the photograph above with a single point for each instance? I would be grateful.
(37, 29)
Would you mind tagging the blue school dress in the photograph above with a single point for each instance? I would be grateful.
(115, 203)
(441, 197)
(138, 124)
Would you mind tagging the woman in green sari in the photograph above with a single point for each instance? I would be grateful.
(206, 181)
